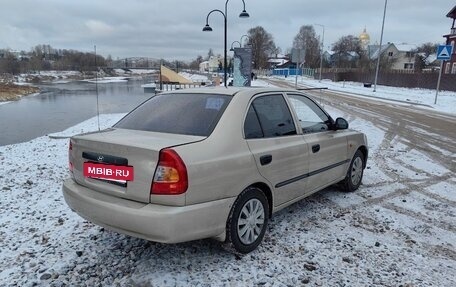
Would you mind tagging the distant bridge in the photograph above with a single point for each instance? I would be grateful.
(135, 63)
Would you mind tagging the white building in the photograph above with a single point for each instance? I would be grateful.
(204, 66)
(212, 65)
(402, 56)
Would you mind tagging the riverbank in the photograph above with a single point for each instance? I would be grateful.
(12, 88)
(13, 92)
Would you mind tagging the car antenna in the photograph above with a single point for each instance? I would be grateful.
(96, 87)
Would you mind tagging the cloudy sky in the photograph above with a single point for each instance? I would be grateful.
(172, 29)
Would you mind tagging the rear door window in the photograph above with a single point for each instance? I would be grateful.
(252, 127)
(189, 114)
(273, 115)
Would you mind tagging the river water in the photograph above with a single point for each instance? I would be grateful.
(61, 106)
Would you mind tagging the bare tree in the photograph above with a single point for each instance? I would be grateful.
(422, 53)
(307, 40)
(109, 61)
(277, 51)
(9, 64)
(194, 65)
(44, 57)
(348, 51)
(36, 58)
(262, 46)
(427, 49)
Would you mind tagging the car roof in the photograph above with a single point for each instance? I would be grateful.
(230, 91)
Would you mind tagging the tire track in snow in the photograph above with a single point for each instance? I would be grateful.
(407, 130)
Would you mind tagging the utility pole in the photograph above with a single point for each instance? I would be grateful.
(438, 82)
(322, 47)
(380, 48)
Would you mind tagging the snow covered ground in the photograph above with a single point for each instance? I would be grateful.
(104, 80)
(51, 76)
(135, 71)
(397, 229)
(260, 83)
(446, 100)
(62, 77)
(197, 78)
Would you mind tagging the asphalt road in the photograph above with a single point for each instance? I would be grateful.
(430, 132)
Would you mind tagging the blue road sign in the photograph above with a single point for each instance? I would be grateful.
(444, 52)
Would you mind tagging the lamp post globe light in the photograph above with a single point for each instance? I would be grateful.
(208, 28)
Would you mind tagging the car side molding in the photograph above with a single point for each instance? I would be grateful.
(294, 179)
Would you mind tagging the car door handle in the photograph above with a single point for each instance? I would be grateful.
(266, 159)
(315, 148)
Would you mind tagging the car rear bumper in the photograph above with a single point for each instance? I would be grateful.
(160, 223)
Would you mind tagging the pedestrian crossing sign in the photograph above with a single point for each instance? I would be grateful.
(444, 52)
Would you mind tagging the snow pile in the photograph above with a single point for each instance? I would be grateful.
(149, 85)
(49, 76)
(120, 71)
(397, 229)
(260, 83)
(135, 71)
(59, 74)
(143, 71)
(105, 80)
(197, 78)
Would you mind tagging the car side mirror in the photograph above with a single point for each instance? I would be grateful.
(341, 124)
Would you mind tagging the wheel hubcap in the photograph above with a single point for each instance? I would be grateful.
(250, 221)
(357, 171)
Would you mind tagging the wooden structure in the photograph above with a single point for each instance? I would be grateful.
(169, 80)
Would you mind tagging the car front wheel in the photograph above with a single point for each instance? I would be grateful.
(248, 220)
(355, 172)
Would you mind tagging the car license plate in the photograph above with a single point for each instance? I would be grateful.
(108, 171)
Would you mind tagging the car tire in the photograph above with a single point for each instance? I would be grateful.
(355, 173)
(248, 220)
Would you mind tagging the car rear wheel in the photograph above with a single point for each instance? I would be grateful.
(355, 172)
(248, 220)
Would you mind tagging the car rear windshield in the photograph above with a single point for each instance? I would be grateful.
(189, 114)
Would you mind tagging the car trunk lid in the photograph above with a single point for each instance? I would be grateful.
(120, 148)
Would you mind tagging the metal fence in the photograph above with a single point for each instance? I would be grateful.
(286, 72)
(396, 79)
(292, 72)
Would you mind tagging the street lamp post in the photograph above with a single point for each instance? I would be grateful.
(322, 45)
(231, 49)
(247, 36)
(380, 48)
(207, 28)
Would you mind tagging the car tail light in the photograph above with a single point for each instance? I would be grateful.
(171, 174)
(70, 148)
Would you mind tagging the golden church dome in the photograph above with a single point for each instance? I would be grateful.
(364, 38)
